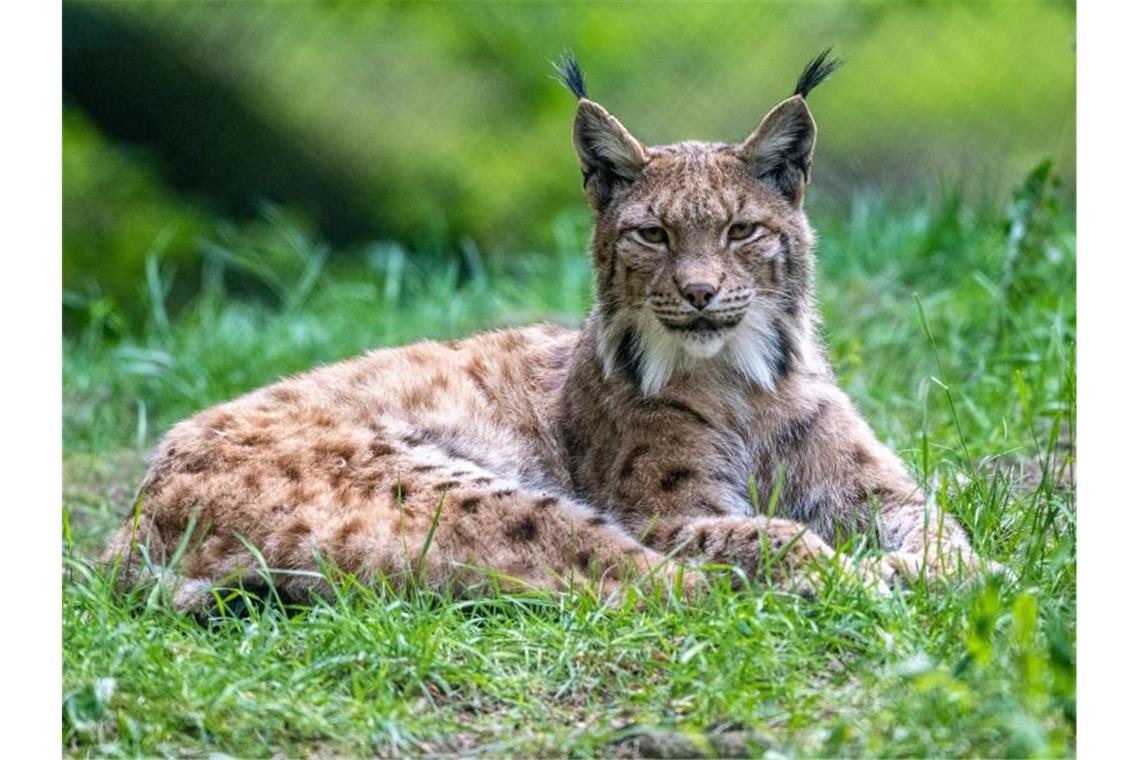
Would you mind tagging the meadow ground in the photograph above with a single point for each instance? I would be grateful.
(952, 326)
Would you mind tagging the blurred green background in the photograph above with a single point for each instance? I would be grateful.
(191, 130)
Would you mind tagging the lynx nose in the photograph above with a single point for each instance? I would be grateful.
(699, 293)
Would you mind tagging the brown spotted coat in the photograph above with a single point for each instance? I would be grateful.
(545, 457)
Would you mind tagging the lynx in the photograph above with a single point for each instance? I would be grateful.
(546, 458)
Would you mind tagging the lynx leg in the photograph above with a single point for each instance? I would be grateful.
(200, 566)
(468, 535)
(521, 539)
(790, 553)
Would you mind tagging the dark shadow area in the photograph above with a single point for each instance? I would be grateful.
(212, 144)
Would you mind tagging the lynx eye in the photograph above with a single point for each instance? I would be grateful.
(743, 231)
(653, 235)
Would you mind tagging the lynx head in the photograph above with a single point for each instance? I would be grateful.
(702, 251)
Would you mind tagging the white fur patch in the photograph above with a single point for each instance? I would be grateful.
(702, 345)
(752, 349)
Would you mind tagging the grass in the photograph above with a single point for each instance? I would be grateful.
(952, 327)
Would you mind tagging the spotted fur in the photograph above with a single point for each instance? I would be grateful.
(546, 457)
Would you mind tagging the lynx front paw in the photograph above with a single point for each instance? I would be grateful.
(906, 568)
(807, 562)
(811, 581)
(859, 572)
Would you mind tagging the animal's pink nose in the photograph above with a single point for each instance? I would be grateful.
(699, 293)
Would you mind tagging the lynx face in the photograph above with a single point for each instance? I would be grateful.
(705, 260)
(702, 250)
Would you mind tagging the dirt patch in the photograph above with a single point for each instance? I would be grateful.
(676, 744)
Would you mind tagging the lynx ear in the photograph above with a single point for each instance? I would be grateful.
(779, 151)
(610, 156)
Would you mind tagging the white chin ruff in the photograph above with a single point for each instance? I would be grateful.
(752, 348)
(702, 345)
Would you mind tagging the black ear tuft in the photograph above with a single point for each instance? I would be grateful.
(571, 74)
(815, 72)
